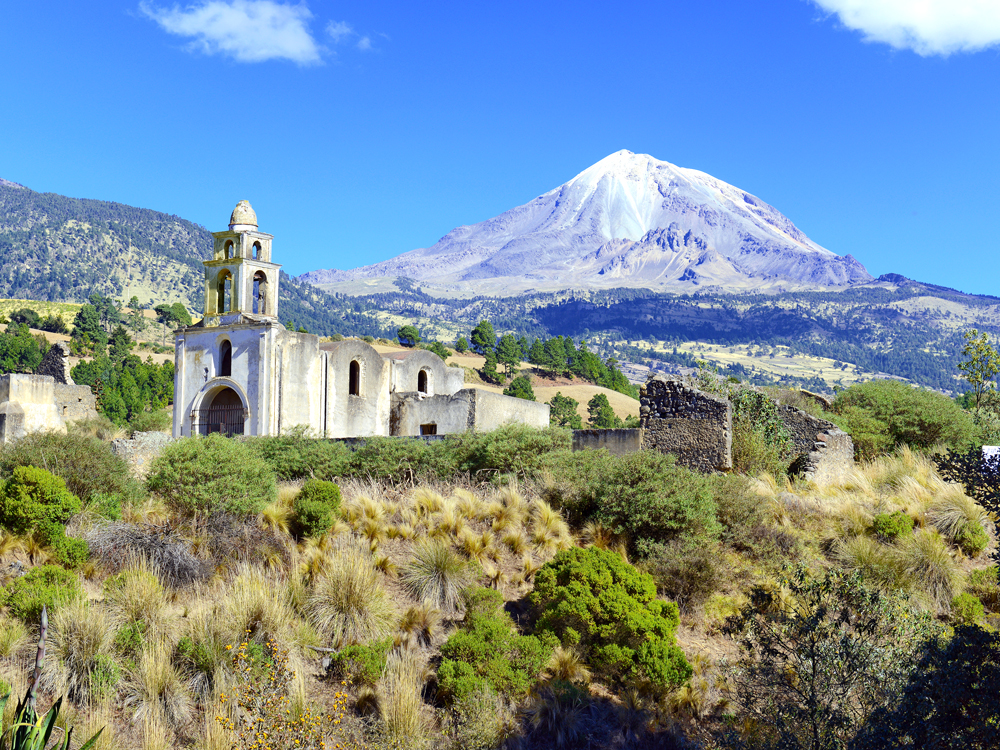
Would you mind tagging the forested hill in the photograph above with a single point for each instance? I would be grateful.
(55, 248)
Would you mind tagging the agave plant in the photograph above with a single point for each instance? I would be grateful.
(29, 730)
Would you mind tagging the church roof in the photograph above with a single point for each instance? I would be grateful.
(243, 214)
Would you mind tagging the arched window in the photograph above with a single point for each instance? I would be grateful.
(225, 292)
(229, 249)
(226, 359)
(422, 381)
(259, 293)
(256, 251)
(354, 387)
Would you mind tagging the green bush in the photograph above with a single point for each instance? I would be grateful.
(390, 459)
(45, 586)
(891, 526)
(69, 551)
(647, 496)
(487, 651)
(362, 664)
(158, 420)
(593, 599)
(315, 507)
(984, 584)
(573, 481)
(972, 538)
(685, 572)
(85, 463)
(911, 416)
(511, 448)
(966, 609)
(761, 442)
(32, 497)
(294, 455)
(211, 474)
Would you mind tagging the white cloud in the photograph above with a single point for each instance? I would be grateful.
(365, 43)
(339, 31)
(245, 30)
(928, 27)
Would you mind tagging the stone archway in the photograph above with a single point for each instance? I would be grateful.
(224, 414)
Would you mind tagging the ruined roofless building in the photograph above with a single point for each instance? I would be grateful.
(239, 371)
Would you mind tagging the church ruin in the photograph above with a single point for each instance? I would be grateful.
(239, 371)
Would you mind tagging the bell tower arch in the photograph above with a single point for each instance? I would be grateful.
(240, 279)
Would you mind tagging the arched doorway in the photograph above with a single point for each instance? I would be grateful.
(223, 414)
(422, 381)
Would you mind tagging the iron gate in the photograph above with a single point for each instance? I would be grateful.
(226, 420)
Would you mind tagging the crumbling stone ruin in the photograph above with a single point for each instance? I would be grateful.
(47, 400)
(697, 427)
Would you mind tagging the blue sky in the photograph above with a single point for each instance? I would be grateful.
(360, 130)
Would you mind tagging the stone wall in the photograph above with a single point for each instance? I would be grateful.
(617, 442)
(824, 450)
(470, 409)
(75, 402)
(696, 427)
(140, 450)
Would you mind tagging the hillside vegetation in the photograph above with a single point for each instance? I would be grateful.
(497, 590)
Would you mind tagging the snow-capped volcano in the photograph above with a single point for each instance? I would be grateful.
(629, 220)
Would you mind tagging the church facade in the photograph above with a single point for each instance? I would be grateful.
(239, 371)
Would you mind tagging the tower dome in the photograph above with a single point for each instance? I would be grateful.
(243, 217)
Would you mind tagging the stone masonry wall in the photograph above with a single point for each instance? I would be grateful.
(825, 451)
(75, 402)
(696, 427)
(618, 442)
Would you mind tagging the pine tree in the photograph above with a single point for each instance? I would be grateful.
(509, 354)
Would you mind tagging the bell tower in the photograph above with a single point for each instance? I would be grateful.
(241, 280)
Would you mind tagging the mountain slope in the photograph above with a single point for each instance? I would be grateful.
(629, 220)
(54, 248)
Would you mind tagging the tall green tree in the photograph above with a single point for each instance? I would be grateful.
(19, 350)
(563, 413)
(520, 387)
(602, 416)
(981, 363)
(408, 335)
(484, 338)
(462, 345)
(88, 337)
(489, 371)
(508, 354)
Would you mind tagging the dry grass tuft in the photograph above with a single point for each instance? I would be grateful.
(422, 622)
(156, 690)
(435, 572)
(256, 605)
(400, 704)
(925, 560)
(13, 636)
(137, 595)
(347, 602)
(79, 662)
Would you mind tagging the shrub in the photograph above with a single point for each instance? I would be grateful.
(487, 652)
(685, 572)
(210, 474)
(79, 661)
(389, 459)
(69, 551)
(45, 586)
(761, 442)
(294, 455)
(891, 526)
(647, 496)
(315, 507)
(983, 583)
(972, 538)
(85, 463)
(966, 609)
(158, 420)
(361, 664)
(435, 572)
(924, 559)
(911, 416)
(593, 598)
(32, 497)
(508, 449)
(347, 602)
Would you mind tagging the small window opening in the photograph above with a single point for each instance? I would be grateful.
(256, 251)
(422, 381)
(225, 292)
(229, 249)
(226, 359)
(354, 387)
(260, 293)
(428, 429)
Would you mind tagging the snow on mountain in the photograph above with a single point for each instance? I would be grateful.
(629, 220)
